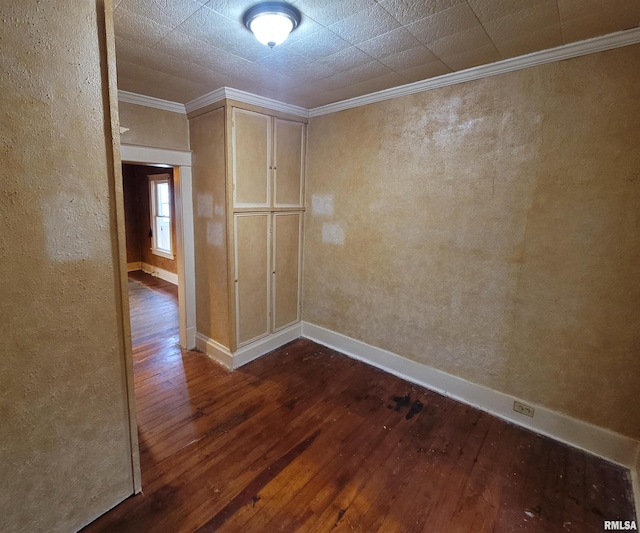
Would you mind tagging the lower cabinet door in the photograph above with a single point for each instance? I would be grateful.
(287, 229)
(252, 276)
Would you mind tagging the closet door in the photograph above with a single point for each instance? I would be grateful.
(287, 232)
(252, 275)
(251, 149)
(288, 163)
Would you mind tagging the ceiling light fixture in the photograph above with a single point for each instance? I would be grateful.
(272, 22)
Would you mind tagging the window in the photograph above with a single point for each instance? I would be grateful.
(161, 241)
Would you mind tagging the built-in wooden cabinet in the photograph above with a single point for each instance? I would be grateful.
(264, 209)
(268, 195)
(267, 161)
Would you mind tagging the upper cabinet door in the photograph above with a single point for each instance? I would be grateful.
(251, 147)
(288, 163)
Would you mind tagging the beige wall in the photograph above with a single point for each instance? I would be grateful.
(491, 230)
(65, 454)
(153, 127)
(210, 225)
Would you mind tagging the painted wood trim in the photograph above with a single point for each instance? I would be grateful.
(132, 267)
(214, 350)
(183, 195)
(150, 101)
(567, 51)
(247, 98)
(593, 439)
(252, 351)
(249, 352)
(145, 155)
(160, 273)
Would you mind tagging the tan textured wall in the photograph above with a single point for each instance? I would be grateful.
(153, 127)
(491, 230)
(64, 437)
(210, 225)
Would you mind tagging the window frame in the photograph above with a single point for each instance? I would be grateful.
(154, 182)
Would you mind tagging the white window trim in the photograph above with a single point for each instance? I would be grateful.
(153, 180)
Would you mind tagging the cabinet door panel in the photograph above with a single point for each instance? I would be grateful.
(252, 276)
(289, 163)
(286, 276)
(251, 156)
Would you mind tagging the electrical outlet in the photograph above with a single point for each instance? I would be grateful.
(523, 409)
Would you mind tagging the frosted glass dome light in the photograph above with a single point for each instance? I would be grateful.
(272, 22)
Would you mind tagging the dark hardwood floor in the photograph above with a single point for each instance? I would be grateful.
(306, 439)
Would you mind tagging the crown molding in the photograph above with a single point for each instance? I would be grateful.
(567, 51)
(206, 99)
(247, 98)
(150, 101)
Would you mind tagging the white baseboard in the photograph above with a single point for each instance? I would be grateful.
(132, 267)
(247, 353)
(160, 273)
(602, 442)
(265, 345)
(215, 350)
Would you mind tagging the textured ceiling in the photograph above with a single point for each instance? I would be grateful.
(179, 50)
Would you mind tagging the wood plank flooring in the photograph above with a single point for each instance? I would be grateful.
(306, 439)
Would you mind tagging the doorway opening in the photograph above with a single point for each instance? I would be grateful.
(178, 165)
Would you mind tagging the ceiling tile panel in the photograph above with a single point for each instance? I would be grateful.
(454, 20)
(137, 28)
(365, 25)
(221, 32)
(465, 49)
(346, 59)
(317, 45)
(159, 84)
(281, 58)
(186, 48)
(408, 11)
(420, 55)
(393, 42)
(133, 52)
(310, 72)
(166, 12)
(328, 12)
(487, 10)
(369, 86)
(472, 58)
(511, 27)
(528, 42)
(424, 71)
(365, 72)
(463, 41)
(589, 18)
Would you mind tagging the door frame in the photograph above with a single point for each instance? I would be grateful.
(185, 257)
